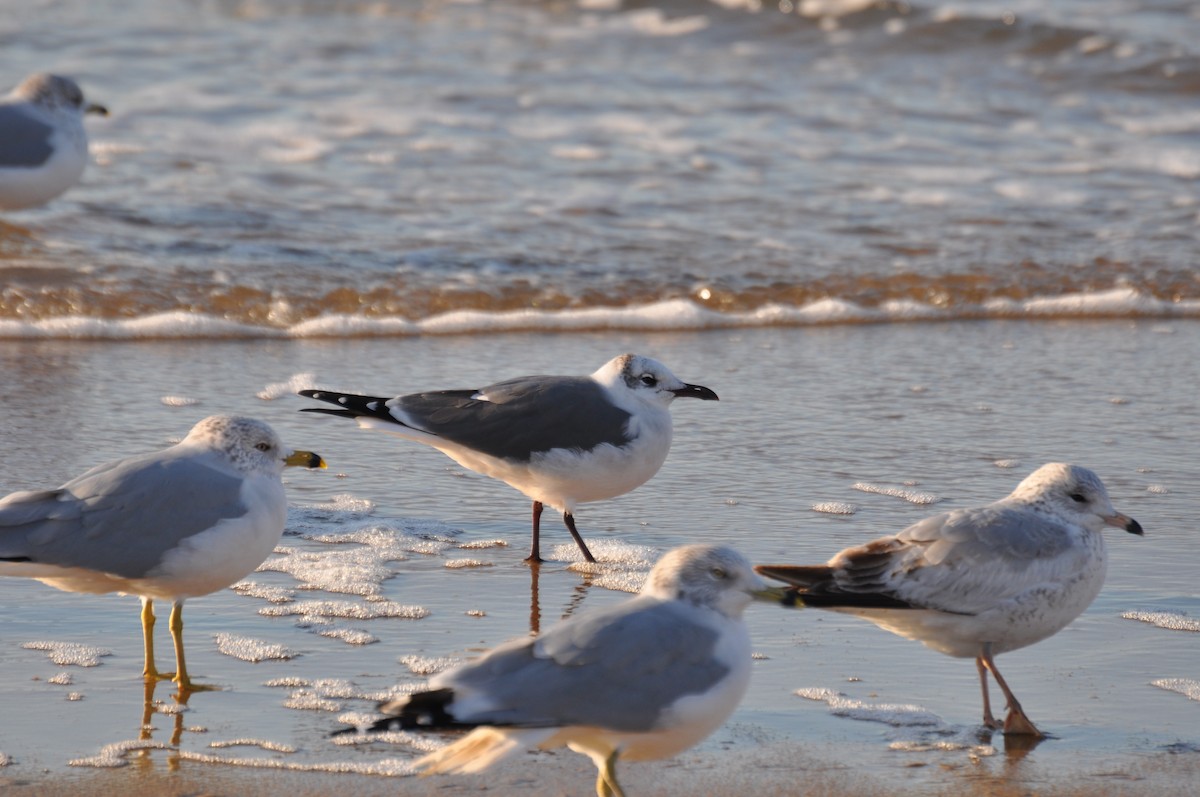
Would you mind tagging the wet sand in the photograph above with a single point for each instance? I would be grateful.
(959, 411)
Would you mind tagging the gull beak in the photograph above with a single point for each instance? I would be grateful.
(304, 459)
(1125, 522)
(695, 391)
(782, 595)
(92, 107)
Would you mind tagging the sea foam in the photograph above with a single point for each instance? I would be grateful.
(668, 315)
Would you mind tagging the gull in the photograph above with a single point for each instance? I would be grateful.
(643, 679)
(561, 440)
(169, 525)
(43, 146)
(978, 582)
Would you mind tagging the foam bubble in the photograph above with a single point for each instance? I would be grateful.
(113, 755)
(912, 496)
(351, 636)
(295, 384)
(1184, 686)
(674, 314)
(274, 747)
(426, 666)
(895, 714)
(4, 760)
(421, 742)
(179, 401)
(252, 589)
(62, 679)
(355, 572)
(307, 700)
(1172, 621)
(254, 650)
(70, 653)
(350, 610)
(619, 565)
(479, 544)
(835, 508)
(458, 564)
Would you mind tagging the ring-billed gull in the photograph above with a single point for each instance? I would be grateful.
(975, 583)
(561, 440)
(170, 525)
(43, 146)
(641, 680)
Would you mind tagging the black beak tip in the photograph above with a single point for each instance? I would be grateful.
(1135, 528)
(696, 392)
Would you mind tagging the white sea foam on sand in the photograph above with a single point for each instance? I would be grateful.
(426, 665)
(274, 747)
(1172, 621)
(351, 610)
(896, 714)
(351, 636)
(255, 650)
(297, 383)
(70, 653)
(1187, 687)
(912, 496)
(835, 508)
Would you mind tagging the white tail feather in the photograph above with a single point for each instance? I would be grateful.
(481, 748)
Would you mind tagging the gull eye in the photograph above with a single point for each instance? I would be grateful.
(1078, 498)
(718, 572)
(648, 380)
(263, 446)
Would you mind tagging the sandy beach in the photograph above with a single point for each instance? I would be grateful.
(746, 470)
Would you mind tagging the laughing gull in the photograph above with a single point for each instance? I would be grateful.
(43, 146)
(561, 440)
(975, 583)
(644, 679)
(169, 525)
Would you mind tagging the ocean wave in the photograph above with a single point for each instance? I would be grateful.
(675, 315)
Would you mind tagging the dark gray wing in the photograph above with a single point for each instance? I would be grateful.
(618, 668)
(120, 518)
(24, 141)
(520, 417)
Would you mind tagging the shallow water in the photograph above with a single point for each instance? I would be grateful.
(957, 411)
(777, 199)
(272, 162)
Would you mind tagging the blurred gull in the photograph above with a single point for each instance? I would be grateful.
(171, 524)
(644, 679)
(561, 440)
(975, 583)
(43, 146)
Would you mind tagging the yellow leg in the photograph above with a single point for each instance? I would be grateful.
(149, 671)
(181, 674)
(606, 780)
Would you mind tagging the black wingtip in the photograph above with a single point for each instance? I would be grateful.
(336, 413)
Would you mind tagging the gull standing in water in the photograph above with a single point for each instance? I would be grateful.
(641, 680)
(975, 583)
(170, 525)
(561, 440)
(43, 146)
